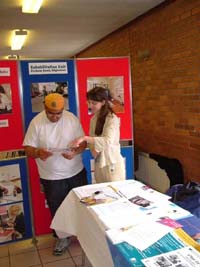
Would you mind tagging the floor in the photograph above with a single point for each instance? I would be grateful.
(38, 253)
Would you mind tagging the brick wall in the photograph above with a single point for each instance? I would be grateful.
(164, 49)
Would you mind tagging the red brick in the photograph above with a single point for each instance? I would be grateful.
(165, 86)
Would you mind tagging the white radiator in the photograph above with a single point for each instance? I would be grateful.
(151, 174)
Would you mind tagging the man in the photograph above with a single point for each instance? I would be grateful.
(60, 169)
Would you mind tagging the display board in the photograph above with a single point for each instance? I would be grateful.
(72, 79)
(15, 219)
(11, 123)
(39, 78)
(110, 73)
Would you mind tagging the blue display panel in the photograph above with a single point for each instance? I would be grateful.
(42, 77)
(128, 154)
(15, 218)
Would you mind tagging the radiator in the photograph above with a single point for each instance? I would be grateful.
(150, 173)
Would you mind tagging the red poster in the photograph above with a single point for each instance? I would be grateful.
(11, 132)
(41, 213)
(111, 73)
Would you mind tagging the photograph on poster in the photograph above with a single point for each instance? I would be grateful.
(5, 98)
(10, 184)
(12, 222)
(140, 201)
(40, 90)
(116, 86)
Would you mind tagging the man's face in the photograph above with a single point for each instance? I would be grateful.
(53, 115)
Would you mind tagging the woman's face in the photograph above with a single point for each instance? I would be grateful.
(95, 106)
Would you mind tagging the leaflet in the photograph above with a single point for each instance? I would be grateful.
(184, 257)
(132, 188)
(132, 256)
(119, 214)
(151, 232)
(59, 150)
(96, 190)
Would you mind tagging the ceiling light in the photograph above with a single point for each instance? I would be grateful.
(13, 56)
(18, 39)
(31, 6)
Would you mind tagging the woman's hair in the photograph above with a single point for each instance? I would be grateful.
(101, 94)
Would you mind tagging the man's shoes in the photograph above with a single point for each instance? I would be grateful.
(61, 246)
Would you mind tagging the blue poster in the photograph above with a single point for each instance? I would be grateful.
(15, 218)
(124, 254)
(40, 78)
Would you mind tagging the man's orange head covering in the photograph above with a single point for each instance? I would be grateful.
(54, 101)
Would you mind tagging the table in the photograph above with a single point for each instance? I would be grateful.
(76, 219)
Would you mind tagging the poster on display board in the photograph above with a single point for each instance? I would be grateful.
(112, 74)
(11, 124)
(15, 219)
(39, 78)
(41, 214)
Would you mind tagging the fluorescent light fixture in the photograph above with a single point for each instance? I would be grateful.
(18, 39)
(13, 56)
(31, 6)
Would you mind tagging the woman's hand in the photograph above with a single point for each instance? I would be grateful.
(76, 142)
(94, 153)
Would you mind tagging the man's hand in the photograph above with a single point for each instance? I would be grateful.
(76, 147)
(70, 154)
(35, 152)
(43, 154)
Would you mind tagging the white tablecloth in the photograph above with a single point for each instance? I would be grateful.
(74, 218)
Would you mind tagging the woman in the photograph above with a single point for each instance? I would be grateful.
(104, 137)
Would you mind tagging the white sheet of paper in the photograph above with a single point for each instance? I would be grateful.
(132, 188)
(167, 209)
(118, 214)
(135, 236)
(90, 190)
